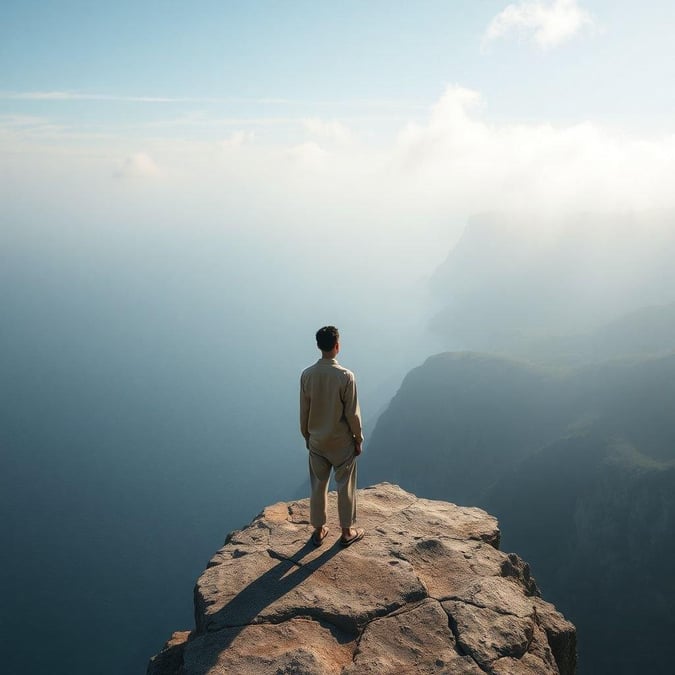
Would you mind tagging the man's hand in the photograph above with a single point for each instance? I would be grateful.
(357, 448)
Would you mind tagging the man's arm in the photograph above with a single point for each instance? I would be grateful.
(304, 414)
(353, 412)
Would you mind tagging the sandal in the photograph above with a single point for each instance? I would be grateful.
(348, 542)
(318, 537)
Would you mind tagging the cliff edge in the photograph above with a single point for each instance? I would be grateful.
(426, 591)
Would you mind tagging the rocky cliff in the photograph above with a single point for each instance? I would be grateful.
(426, 591)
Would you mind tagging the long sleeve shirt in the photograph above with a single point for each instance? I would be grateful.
(330, 417)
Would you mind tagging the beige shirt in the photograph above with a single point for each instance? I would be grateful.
(330, 417)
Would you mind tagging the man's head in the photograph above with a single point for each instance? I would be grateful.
(328, 339)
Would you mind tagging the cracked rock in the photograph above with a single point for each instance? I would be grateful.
(426, 591)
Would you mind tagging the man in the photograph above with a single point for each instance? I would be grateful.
(330, 421)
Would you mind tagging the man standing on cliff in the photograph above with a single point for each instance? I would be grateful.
(330, 421)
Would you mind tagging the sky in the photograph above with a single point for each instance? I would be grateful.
(118, 66)
(436, 102)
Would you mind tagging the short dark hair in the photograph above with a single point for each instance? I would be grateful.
(327, 337)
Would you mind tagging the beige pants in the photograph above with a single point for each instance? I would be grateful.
(320, 464)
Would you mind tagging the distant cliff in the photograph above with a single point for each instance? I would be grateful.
(426, 591)
(578, 465)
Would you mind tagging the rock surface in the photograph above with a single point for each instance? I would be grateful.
(426, 591)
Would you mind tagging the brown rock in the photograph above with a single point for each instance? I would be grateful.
(417, 640)
(293, 646)
(426, 591)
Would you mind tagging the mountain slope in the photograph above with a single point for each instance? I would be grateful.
(590, 450)
(643, 332)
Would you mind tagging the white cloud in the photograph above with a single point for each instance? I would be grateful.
(309, 155)
(331, 131)
(138, 165)
(460, 160)
(238, 139)
(548, 24)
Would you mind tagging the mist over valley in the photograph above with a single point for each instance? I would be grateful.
(153, 405)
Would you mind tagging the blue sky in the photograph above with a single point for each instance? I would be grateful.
(347, 60)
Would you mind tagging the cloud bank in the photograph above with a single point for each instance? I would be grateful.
(576, 167)
(409, 193)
